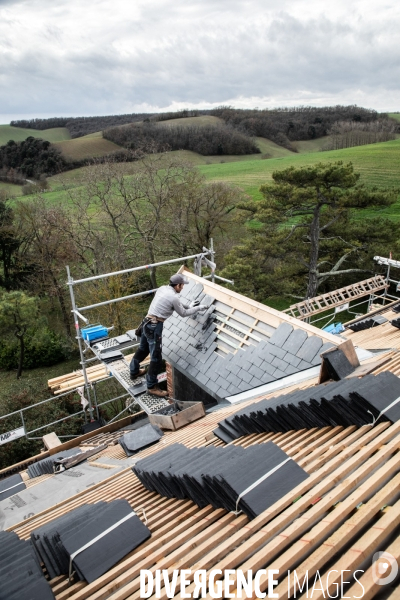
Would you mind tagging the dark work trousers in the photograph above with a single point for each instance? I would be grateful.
(150, 343)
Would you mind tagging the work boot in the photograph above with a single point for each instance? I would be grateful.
(138, 374)
(156, 391)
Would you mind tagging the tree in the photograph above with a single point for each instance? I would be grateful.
(308, 230)
(18, 312)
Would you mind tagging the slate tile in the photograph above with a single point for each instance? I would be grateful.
(255, 371)
(266, 378)
(267, 357)
(291, 359)
(310, 348)
(193, 371)
(276, 351)
(267, 367)
(255, 382)
(245, 376)
(190, 321)
(238, 358)
(279, 364)
(183, 364)
(243, 387)
(202, 378)
(316, 360)
(280, 335)
(230, 366)
(304, 365)
(262, 346)
(295, 341)
(234, 380)
(278, 374)
(231, 390)
(326, 347)
(291, 370)
(257, 360)
(213, 386)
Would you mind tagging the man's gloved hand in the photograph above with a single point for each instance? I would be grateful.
(202, 307)
(196, 303)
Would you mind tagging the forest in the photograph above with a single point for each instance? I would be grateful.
(79, 126)
(285, 125)
(281, 125)
(206, 140)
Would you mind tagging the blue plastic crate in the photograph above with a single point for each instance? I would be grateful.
(94, 332)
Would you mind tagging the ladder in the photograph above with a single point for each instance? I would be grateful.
(318, 304)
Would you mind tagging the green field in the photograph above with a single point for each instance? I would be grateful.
(378, 165)
(10, 188)
(19, 135)
(395, 115)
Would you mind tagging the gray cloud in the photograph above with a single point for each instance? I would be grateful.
(87, 59)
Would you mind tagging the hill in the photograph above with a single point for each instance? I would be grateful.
(86, 147)
(201, 120)
(19, 134)
(377, 164)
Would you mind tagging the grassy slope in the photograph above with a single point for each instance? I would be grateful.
(377, 163)
(88, 146)
(18, 134)
(395, 116)
(10, 188)
(306, 146)
(186, 122)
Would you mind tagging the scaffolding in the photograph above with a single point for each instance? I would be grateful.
(118, 369)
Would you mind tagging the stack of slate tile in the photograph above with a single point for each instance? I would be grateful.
(137, 440)
(367, 323)
(346, 402)
(10, 486)
(116, 525)
(20, 573)
(396, 308)
(396, 323)
(222, 477)
(46, 466)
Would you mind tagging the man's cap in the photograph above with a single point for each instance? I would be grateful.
(177, 279)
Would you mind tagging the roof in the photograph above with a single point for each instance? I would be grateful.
(238, 344)
(343, 513)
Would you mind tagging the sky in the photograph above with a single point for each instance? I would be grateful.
(101, 57)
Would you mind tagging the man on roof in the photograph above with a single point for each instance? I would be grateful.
(164, 303)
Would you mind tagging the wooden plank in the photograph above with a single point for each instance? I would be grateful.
(51, 440)
(341, 537)
(365, 546)
(271, 524)
(273, 542)
(316, 534)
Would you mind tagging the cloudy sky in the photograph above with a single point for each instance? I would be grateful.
(98, 57)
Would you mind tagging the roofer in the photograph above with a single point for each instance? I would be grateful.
(163, 305)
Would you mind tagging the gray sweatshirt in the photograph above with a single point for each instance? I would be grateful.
(166, 301)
